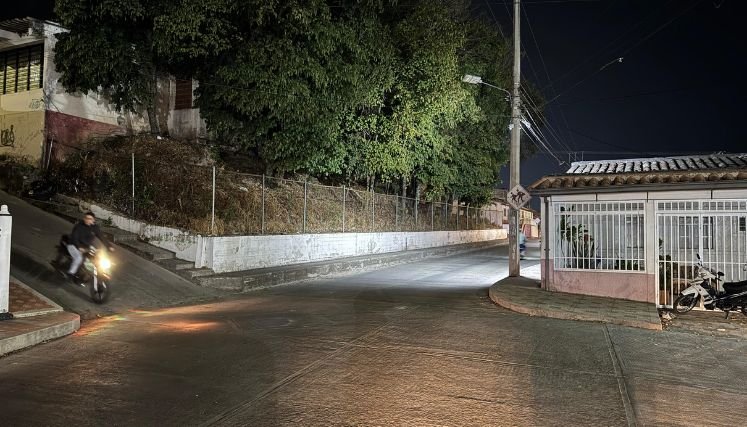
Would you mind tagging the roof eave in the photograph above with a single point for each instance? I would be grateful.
(720, 185)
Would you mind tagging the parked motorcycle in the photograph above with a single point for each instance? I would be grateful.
(95, 272)
(42, 189)
(726, 297)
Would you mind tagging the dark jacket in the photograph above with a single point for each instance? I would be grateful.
(83, 236)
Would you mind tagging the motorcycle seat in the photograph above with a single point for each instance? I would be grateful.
(735, 287)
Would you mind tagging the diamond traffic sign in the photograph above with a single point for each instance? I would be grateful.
(517, 197)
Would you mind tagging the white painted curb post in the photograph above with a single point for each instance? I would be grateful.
(6, 224)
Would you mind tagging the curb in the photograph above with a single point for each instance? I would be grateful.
(498, 299)
(21, 314)
(29, 328)
(40, 329)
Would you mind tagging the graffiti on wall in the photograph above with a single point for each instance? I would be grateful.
(36, 104)
(8, 137)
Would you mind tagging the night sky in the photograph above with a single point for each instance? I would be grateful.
(679, 89)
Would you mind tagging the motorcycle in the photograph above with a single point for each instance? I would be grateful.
(95, 272)
(706, 285)
(42, 190)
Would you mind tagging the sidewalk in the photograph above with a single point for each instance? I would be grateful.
(523, 295)
(36, 319)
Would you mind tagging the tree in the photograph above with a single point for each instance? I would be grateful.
(109, 47)
(295, 69)
(363, 90)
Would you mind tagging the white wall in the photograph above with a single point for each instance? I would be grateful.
(183, 244)
(90, 106)
(185, 123)
(236, 253)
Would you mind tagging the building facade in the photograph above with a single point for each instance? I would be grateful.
(633, 229)
(40, 120)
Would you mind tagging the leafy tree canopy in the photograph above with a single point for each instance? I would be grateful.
(355, 89)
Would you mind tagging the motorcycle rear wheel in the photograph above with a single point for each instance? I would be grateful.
(684, 303)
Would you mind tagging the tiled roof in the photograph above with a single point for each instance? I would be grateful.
(717, 170)
(18, 25)
(680, 163)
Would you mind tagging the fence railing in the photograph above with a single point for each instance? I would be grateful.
(210, 200)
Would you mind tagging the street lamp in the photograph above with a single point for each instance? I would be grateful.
(477, 80)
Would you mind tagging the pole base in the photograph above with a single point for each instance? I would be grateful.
(6, 316)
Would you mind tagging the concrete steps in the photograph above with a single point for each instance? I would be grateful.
(149, 252)
(118, 236)
(131, 242)
(176, 264)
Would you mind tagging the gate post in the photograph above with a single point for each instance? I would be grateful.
(6, 225)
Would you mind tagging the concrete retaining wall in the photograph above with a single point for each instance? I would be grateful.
(237, 253)
(183, 244)
(226, 254)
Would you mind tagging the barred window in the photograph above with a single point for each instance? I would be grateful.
(600, 236)
(183, 94)
(21, 69)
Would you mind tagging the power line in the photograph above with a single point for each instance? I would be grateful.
(553, 132)
(525, 2)
(661, 27)
(641, 41)
(544, 65)
(644, 94)
(497, 24)
(605, 47)
(549, 127)
(539, 142)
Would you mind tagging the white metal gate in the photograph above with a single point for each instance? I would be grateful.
(715, 229)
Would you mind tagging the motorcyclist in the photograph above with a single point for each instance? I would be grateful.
(81, 239)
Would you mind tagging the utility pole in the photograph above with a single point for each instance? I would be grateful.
(515, 179)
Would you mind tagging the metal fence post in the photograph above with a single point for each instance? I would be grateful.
(466, 219)
(305, 197)
(459, 209)
(6, 226)
(416, 204)
(263, 203)
(344, 202)
(212, 220)
(445, 213)
(132, 210)
(396, 212)
(448, 218)
(431, 216)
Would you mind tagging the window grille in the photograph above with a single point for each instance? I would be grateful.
(712, 230)
(21, 69)
(600, 236)
(183, 95)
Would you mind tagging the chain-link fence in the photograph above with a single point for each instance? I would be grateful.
(209, 200)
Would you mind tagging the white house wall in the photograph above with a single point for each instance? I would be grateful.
(185, 123)
(643, 285)
(90, 106)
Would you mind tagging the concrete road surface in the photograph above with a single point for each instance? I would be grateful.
(411, 345)
(135, 282)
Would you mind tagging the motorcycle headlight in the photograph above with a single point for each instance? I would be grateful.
(105, 263)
